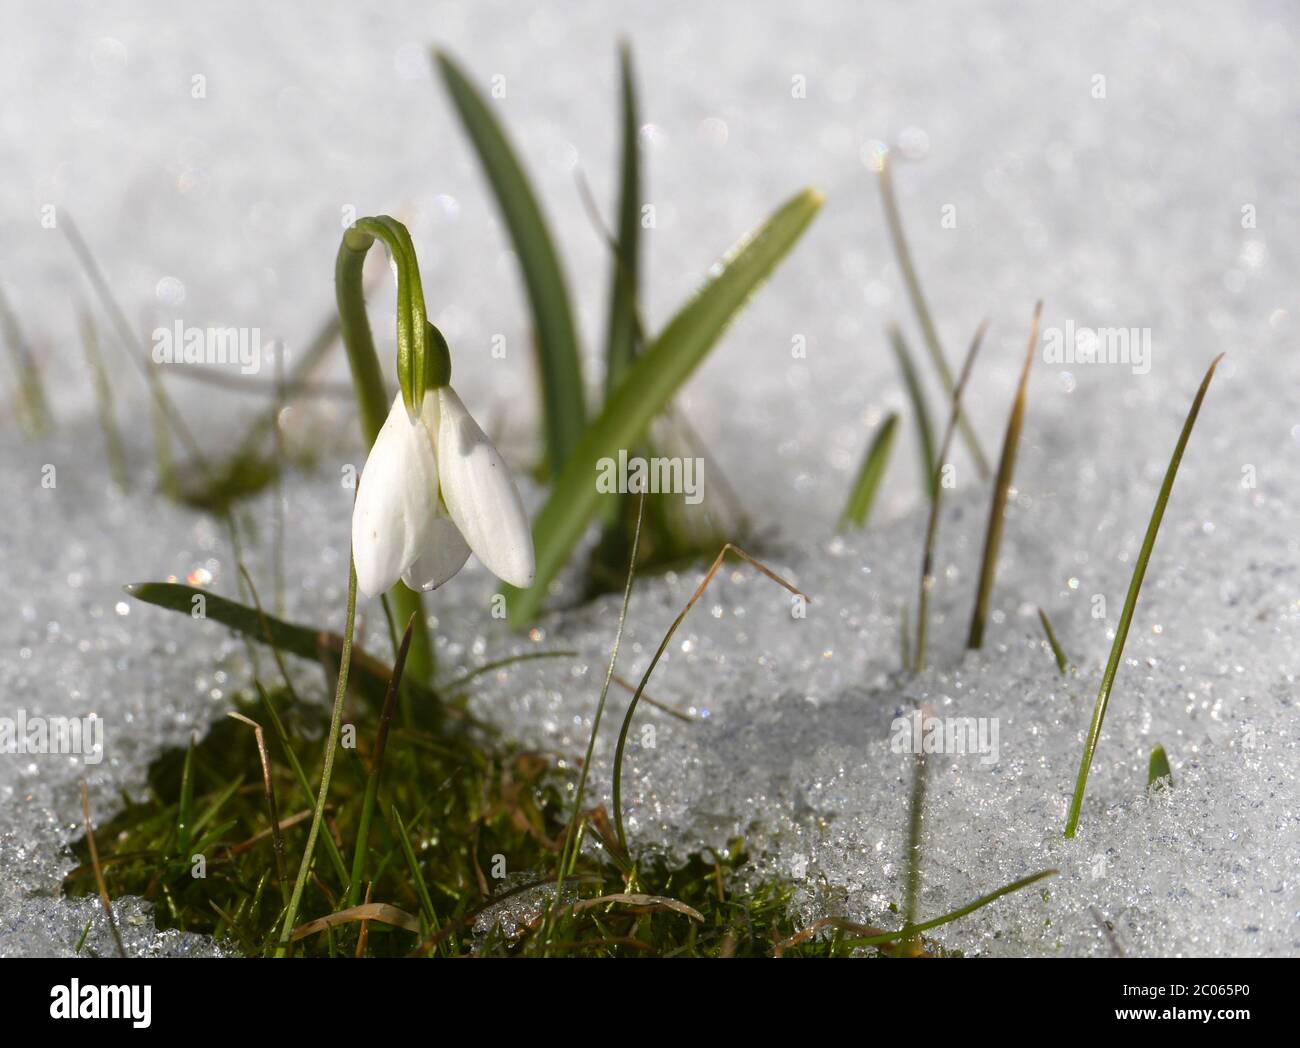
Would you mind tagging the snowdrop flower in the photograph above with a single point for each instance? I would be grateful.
(433, 490)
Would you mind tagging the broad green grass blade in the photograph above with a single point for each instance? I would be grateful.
(369, 676)
(873, 468)
(1001, 490)
(923, 317)
(920, 412)
(1159, 774)
(650, 384)
(621, 339)
(558, 363)
(1057, 651)
(1130, 604)
(948, 918)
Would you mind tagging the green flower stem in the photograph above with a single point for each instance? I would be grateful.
(331, 745)
(368, 378)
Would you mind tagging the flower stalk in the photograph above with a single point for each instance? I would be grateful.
(368, 378)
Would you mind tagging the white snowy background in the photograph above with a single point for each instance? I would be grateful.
(1124, 211)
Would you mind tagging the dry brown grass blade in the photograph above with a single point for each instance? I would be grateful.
(838, 923)
(1001, 490)
(277, 834)
(99, 873)
(371, 911)
(642, 903)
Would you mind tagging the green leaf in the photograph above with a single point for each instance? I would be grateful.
(948, 918)
(648, 387)
(1159, 774)
(1057, 651)
(369, 675)
(621, 339)
(924, 430)
(873, 469)
(1130, 603)
(563, 404)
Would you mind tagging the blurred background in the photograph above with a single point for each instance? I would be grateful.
(209, 156)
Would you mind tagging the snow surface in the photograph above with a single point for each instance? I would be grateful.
(1122, 211)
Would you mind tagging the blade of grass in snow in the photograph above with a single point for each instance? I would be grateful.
(563, 404)
(371, 676)
(650, 383)
(104, 403)
(99, 873)
(920, 412)
(915, 824)
(1001, 491)
(143, 362)
(29, 392)
(936, 500)
(1159, 773)
(663, 646)
(930, 334)
(948, 918)
(1130, 604)
(1055, 645)
(621, 339)
(872, 470)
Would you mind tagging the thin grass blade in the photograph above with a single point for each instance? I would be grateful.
(948, 918)
(1130, 604)
(563, 400)
(936, 501)
(1159, 774)
(923, 317)
(920, 410)
(1057, 651)
(1001, 491)
(874, 463)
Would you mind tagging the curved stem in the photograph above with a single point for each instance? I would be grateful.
(368, 378)
(331, 744)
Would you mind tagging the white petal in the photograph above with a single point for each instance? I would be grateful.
(443, 554)
(480, 494)
(395, 502)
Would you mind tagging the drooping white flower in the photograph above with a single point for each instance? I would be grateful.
(433, 490)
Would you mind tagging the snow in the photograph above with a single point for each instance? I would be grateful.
(1122, 211)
